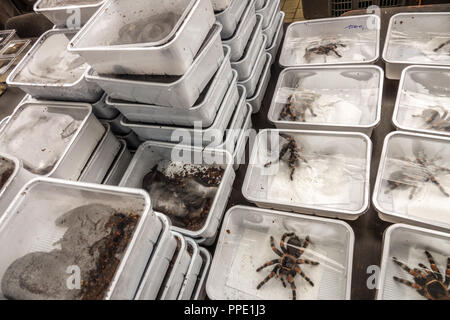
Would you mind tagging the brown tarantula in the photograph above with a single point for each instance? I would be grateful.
(324, 50)
(435, 120)
(400, 178)
(428, 283)
(288, 265)
(291, 146)
(290, 112)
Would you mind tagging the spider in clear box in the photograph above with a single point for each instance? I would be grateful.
(428, 283)
(287, 267)
(295, 154)
(435, 120)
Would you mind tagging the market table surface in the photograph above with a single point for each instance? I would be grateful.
(369, 228)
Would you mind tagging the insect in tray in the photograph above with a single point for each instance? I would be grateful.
(435, 120)
(442, 45)
(294, 157)
(290, 112)
(288, 265)
(428, 283)
(330, 48)
(402, 179)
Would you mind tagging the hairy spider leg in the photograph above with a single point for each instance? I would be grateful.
(303, 275)
(291, 281)
(268, 264)
(433, 266)
(419, 289)
(272, 244)
(307, 261)
(272, 274)
(438, 184)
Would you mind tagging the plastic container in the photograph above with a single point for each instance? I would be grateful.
(104, 111)
(252, 81)
(259, 4)
(333, 182)
(240, 38)
(359, 34)
(158, 262)
(204, 110)
(14, 48)
(220, 5)
(6, 36)
(275, 46)
(116, 125)
(177, 92)
(61, 15)
(271, 28)
(188, 135)
(131, 139)
(343, 98)
(422, 99)
(193, 271)
(181, 264)
(258, 97)
(77, 151)
(171, 55)
(402, 193)
(244, 245)
(119, 166)
(230, 16)
(267, 11)
(77, 89)
(5, 64)
(151, 153)
(200, 287)
(102, 158)
(29, 226)
(245, 64)
(408, 244)
(416, 38)
(16, 180)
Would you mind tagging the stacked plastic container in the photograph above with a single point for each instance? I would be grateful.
(243, 33)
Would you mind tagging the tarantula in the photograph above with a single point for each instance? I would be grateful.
(435, 120)
(291, 146)
(288, 265)
(428, 283)
(442, 45)
(399, 179)
(324, 50)
(291, 113)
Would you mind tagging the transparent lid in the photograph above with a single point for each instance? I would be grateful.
(245, 245)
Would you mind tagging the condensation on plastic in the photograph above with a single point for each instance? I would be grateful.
(423, 100)
(413, 183)
(344, 40)
(408, 244)
(245, 244)
(331, 175)
(339, 96)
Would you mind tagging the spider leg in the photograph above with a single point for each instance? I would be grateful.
(268, 264)
(413, 192)
(272, 244)
(434, 180)
(270, 276)
(433, 266)
(282, 280)
(310, 108)
(283, 240)
(301, 273)
(307, 261)
(407, 269)
(291, 281)
(447, 273)
(411, 285)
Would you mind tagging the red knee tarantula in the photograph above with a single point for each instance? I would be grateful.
(428, 283)
(295, 154)
(288, 265)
